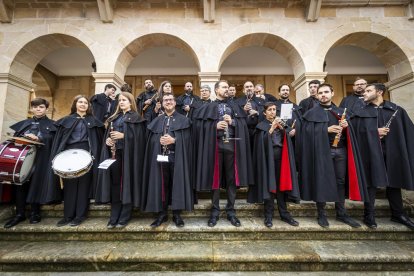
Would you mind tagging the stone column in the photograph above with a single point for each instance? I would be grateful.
(300, 84)
(14, 101)
(102, 79)
(401, 92)
(209, 78)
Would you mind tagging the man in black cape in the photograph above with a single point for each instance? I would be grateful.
(260, 93)
(356, 100)
(187, 102)
(130, 166)
(274, 168)
(385, 134)
(167, 179)
(284, 93)
(329, 172)
(312, 100)
(221, 160)
(146, 101)
(104, 104)
(39, 129)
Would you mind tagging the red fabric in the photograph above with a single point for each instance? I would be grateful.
(353, 185)
(236, 169)
(6, 194)
(285, 183)
(216, 176)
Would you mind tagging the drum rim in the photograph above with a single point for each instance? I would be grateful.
(73, 174)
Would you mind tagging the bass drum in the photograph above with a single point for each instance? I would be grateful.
(16, 162)
(72, 163)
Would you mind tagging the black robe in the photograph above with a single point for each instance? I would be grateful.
(134, 129)
(308, 103)
(65, 126)
(265, 167)
(316, 171)
(99, 104)
(149, 113)
(252, 121)
(204, 131)
(352, 103)
(397, 168)
(180, 103)
(296, 112)
(41, 164)
(182, 189)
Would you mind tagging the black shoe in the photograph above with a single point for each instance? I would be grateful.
(323, 221)
(212, 221)
(403, 219)
(76, 222)
(161, 219)
(234, 221)
(111, 225)
(348, 220)
(370, 222)
(14, 221)
(178, 221)
(63, 222)
(268, 222)
(289, 220)
(122, 224)
(34, 218)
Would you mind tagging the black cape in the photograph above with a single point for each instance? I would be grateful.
(308, 103)
(180, 104)
(182, 190)
(352, 103)
(99, 104)
(397, 169)
(316, 171)
(252, 121)
(206, 152)
(65, 127)
(134, 128)
(265, 167)
(149, 113)
(41, 165)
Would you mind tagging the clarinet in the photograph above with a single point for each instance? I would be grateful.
(113, 148)
(339, 134)
(166, 128)
(388, 124)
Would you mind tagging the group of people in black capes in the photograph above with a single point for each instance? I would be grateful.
(166, 149)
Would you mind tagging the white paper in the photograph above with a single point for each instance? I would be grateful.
(286, 111)
(106, 164)
(162, 158)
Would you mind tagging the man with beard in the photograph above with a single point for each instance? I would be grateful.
(232, 93)
(186, 102)
(252, 106)
(222, 161)
(104, 104)
(259, 92)
(355, 100)
(385, 134)
(40, 129)
(146, 101)
(312, 100)
(166, 179)
(284, 93)
(330, 163)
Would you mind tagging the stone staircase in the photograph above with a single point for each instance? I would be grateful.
(197, 247)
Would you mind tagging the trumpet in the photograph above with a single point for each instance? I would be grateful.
(339, 134)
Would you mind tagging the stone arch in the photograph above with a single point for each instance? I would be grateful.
(386, 48)
(29, 56)
(135, 47)
(271, 41)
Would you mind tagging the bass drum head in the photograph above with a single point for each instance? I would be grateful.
(72, 160)
(27, 164)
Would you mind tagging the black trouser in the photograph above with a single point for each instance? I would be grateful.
(281, 197)
(76, 191)
(394, 198)
(168, 180)
(339, 159)
(226, 169)
(120, 213)
(20, 197)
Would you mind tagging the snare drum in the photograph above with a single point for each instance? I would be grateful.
(16, 162)
(72, 163)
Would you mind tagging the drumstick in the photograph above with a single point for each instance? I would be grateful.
(61, 182)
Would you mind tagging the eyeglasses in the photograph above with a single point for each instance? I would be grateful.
(168, 100)
(360, 84)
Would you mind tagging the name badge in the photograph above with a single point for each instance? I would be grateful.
(162, 158)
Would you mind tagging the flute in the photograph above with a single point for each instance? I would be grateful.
(147, 105)
(339, 134)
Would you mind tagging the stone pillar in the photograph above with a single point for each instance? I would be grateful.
(300, 84)
(209, 78)
(402, 93)
(14, 101)
(102, 79)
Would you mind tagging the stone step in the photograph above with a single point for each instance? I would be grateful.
(269, 255)
(196, 229)
(244, 209)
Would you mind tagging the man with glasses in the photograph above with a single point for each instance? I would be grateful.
(356, 100)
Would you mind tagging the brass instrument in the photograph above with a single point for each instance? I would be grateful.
(339, 134)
